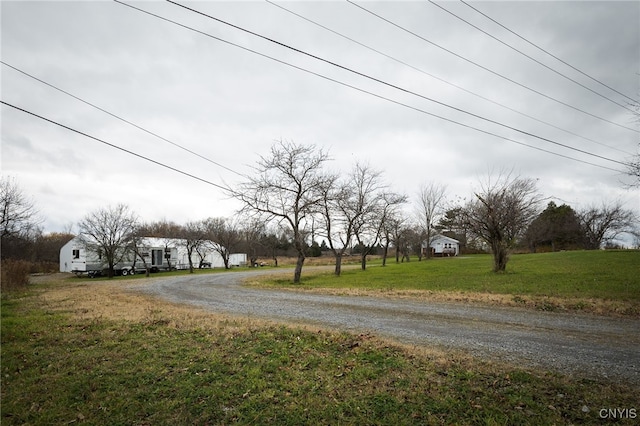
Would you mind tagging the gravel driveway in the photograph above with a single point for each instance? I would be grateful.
(591, 346)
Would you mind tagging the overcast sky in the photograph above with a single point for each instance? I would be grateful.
(229, 105)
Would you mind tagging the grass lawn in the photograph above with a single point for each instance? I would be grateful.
(601, 281)
(75, 352)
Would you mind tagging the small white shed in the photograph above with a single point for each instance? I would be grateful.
(442, 246)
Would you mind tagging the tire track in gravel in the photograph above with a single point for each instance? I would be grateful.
(587, 345)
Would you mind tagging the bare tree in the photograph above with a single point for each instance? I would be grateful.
(275, 241)
(393, 232)
(633, 170)
(224, 236)
(19, 219)
(388, 217)
(109, 230)
(366, 208)
(137, 245)
(287, 188)
(252, 234)
(501, 213)
(374, 206)
(604, 224)
(47, 246)
(429, 209)
(338, 217)
(193, 235)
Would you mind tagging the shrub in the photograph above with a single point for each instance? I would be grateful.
(43, 267)
(15, 274)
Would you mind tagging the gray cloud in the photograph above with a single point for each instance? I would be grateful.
(230, 105)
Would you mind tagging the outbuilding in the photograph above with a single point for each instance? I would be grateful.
(441, 246)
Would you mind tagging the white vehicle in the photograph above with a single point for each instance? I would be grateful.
(77, 257)
(159, 254)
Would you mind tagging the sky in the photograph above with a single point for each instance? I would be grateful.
(429, 98)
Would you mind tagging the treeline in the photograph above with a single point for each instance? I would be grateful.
(556, 228)
(294, 205)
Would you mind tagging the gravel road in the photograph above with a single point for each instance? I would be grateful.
(590, 346)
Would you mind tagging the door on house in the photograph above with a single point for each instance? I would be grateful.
(156, 257)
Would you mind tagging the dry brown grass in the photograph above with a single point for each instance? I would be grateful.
(119, 301)
(548, 303)
(15, 274)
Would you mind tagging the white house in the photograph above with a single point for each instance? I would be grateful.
(158, 253)
(442, 245)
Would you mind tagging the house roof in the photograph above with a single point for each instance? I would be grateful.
(441, 237)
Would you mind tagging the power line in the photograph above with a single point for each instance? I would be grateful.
(116, 147)
(490, 70)
(121, 119)
(443, 80)
(548, 53)
(395, 86)
(529, 57)
(360, 89)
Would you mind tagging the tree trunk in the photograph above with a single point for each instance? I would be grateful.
(363, 261)
(429, 252)
(147, 270)
(338, 268)
(500, 257)
(190, 262)
(384, 255)
(110, 271)
(298, 272)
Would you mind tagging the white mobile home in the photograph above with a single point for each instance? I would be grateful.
(238, 259)
(77, 257)
(157, 253)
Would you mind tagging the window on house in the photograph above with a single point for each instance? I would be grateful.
(76, 254)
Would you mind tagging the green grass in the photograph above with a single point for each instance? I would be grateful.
(60, 369)
(609, 275)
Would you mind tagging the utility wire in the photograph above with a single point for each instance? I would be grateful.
(120, 118)
(488, 69)
(530, 57)
(635, 101)
(395, 86)
(362, 90)
(443, 80)
(116, 147)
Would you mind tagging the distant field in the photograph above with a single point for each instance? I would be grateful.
(580, 276)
